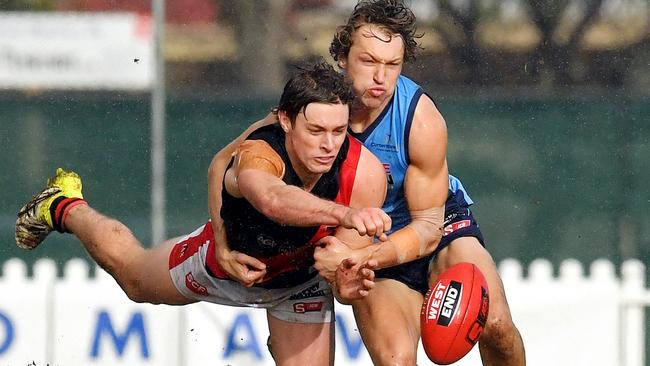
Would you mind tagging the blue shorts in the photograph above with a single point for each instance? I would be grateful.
(459, 222)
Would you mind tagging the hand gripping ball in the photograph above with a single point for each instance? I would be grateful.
(454, 313)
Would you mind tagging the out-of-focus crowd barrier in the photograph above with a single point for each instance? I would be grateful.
(568, 318)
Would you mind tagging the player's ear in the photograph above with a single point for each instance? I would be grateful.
(285, 122)
(342, 62)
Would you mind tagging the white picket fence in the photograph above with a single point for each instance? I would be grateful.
(571, 319)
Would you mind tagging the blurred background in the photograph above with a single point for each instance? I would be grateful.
(547, 104)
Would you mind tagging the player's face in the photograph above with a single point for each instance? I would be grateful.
(315, 138)
(373, 65)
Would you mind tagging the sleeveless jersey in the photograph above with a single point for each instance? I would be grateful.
(388, 138)
(287, 250)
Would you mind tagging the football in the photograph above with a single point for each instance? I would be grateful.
(454, 313)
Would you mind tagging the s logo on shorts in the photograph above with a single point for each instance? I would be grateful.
(456, 226)
(305, 307)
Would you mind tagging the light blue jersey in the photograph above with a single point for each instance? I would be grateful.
(388, 138)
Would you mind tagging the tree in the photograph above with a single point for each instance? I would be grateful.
(458, 27)
(557, 52)
(259, 28)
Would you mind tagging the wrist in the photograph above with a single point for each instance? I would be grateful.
(339, 212)
(370, 252)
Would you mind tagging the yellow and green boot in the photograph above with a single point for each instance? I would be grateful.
(47, 210)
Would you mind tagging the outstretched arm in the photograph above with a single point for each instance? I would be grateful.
(257, 176)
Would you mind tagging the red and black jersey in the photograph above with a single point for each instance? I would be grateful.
(287, 250)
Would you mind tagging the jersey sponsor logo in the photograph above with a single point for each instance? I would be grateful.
(456, 226)
(305, 307)
(194, 285)
(312, 291)
(383, 147)
(445, 301)
(266, 241)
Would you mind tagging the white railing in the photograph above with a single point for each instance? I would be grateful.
(569, 319)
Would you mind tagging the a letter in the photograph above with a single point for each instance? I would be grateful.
(352, 343)
(135, 327)
(5, 323)
(446, 312)
(433, 313)
(247, 343)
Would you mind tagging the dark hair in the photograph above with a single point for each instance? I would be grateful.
(315, 83)
(391, 15)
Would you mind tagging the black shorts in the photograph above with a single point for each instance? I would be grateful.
(459, 222)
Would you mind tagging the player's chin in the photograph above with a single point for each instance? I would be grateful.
(320, 168)
(372, 102)
(321, 171)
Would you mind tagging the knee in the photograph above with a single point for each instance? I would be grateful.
(397, 349)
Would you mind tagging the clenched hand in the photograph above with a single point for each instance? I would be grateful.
(367, 221)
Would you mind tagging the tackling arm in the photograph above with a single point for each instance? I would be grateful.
(426, 189)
